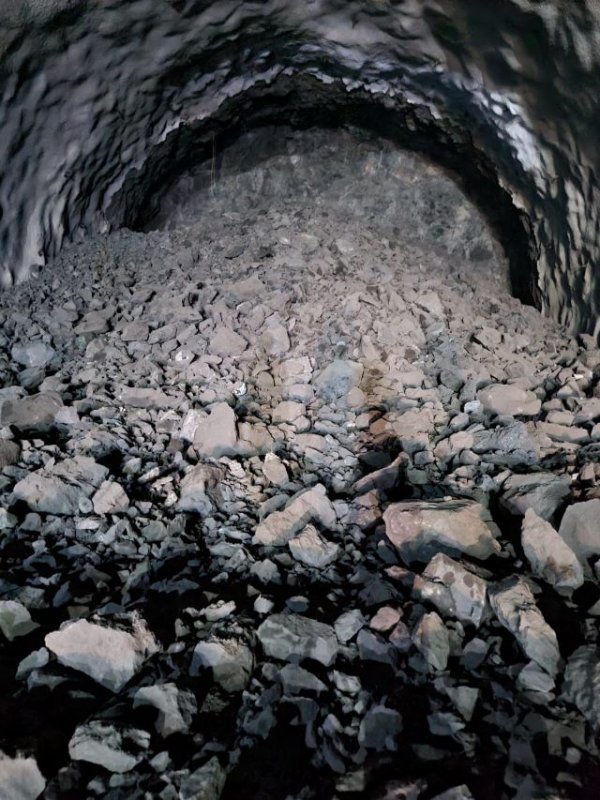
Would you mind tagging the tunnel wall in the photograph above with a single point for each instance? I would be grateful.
(101, 99)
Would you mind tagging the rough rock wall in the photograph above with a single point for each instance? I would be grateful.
(100, 99)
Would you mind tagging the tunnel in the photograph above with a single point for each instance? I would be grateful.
(299, 399)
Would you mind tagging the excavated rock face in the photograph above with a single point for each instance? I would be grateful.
(102, 101)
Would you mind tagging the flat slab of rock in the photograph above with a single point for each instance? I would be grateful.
(34, 354)
(509, 400)
(580, 529)
(20, 778)
(419, 529)
(110, 656)
(543, 492)
(550, 556)
(116, 749)
(278, 528)
(514, 604)
(137, 397)
(454, 590)
(49, 495)
(34, 413)
(216, 435)
(291, 637)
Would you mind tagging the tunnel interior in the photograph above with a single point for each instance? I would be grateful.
(299, 400)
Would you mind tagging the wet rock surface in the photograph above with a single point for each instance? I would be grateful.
(310, 559)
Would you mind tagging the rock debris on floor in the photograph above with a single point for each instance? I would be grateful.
(296, 501)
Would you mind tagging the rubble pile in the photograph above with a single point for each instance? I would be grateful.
(296, 501)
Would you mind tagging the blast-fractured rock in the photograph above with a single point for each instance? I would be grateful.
(34, 413)
(230, 662)
(550, 557)
(338, 378)
(582, 683)
(293, 638)
(20, 778)
(514, 605)
(116, 749)
(580, 529)
(216, 435)
(509, 400)
(110, 656)
(310, 548)
(279, 527)
(543, 492)
(419, 529)
(430, 637)
(175, 708)
(15, 620)
(454, 590)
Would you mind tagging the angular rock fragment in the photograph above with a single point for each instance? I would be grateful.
(379, 729)
(291, 637)
(116, 749)
(310, 548)
(338, 378)
(548, 554)
(455, 591)
(580, 530)
(226, 342)
(10, 453)
(34, 413)
(138, 397)
(348, 625)
(514, 604)
(110, 499)
(216, 435)
(176, 708)
(431, 639)
(278, 528)
(205, 783)
(230, 661)
(15, 620)
(197, 488)
(49, 495)
(20, 778)
(420, 529)
(34, 354)
(509, 400)
(582, 683)
(296, 680)
(461, 792)
(110, 656)
(543, 492)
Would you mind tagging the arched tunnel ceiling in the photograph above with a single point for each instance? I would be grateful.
(102, 99)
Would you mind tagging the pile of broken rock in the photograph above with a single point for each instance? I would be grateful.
(263, 526)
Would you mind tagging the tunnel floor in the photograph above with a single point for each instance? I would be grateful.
(296, 501)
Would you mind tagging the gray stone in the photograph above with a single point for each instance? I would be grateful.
(310, 548)
(532, 678)
(372, 647)
(36, 412)
(379, 729)
(34, 354)
(419, 529)
(216, 435)
(20, 778)
(296, 680)
(461, 792)
(464, 699)
(278, 528)
(196, 489)
(509, 400)
(10, 452)
(455, 591)
(348, 624)
(293, 638)
(337, 379)
(548, 554)
(49, 495)
(226, 342)
(102, 743)
(431, 639)
(582, 683)
(7, 520)
(175, 707)
(137, 397)
(274, 470)
(543, 492)
(15, 620)
(110, 656)
(110, 499)
(205, 783)
(514, 604)
(580, 529)
(230, 661)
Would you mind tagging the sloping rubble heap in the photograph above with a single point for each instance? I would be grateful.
(282, 514)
